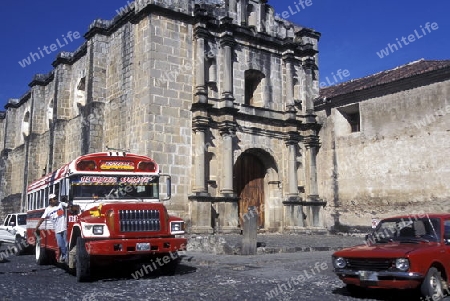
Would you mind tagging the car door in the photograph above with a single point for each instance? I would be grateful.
(12, 223)
(6, 236)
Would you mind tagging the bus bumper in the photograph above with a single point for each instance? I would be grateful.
(148, 246)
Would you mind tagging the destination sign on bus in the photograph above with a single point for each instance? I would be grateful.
(117, 165)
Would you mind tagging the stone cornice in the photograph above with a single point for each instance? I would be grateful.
(308, 32)
(16, 103)
(202, 33)
(70, 58)
(42, 79)
(211, 199)
(258, 115)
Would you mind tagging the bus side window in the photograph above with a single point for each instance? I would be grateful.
(56, 190)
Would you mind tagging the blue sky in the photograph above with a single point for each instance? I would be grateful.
(358, 37)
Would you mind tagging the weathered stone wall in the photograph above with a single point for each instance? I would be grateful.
(133, 86)
(397, 163)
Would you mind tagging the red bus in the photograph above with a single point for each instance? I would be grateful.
(115, 213)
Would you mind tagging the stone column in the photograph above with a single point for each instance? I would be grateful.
(262, 16)
(227, 132)
(288, 59)
(200, 127)
(244, 12)
(312, 145)
(308, 67)
(201, 95)
(200, 203)
(232, 9)
(292, 169)
(294, 209)
(227, 44)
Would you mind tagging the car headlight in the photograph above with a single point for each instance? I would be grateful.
(339, 263)
(177, 227)
(402, 264)
(97, 229)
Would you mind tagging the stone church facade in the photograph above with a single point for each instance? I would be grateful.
(222, 97)
(385, 145)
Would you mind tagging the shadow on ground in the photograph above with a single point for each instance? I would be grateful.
(381, 294)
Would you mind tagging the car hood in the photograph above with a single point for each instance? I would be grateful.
(392, 249)
(6, 236)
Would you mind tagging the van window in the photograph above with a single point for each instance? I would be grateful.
(12, 220)
(22, 219)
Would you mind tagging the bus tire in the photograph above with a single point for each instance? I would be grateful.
(42, 257)
(82, 261)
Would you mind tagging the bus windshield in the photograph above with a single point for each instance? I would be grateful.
(114, 187)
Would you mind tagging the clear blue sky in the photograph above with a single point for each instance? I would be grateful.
(354, 33)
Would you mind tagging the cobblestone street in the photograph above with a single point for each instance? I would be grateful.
(303, 275)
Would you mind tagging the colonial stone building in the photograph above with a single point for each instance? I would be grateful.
(385, 145)
(219, 94)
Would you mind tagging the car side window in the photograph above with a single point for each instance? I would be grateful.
(447, 231)
(12, 221)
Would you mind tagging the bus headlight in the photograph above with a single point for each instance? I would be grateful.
(97, 229)
(177, 227)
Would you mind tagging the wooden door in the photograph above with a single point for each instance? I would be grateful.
(249, 183)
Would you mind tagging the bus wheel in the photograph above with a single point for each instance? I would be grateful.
(82, 261)
(42, 257)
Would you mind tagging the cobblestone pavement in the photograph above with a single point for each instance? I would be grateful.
(201, 276)
(273, 243)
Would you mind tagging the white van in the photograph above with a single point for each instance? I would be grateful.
(16, 224)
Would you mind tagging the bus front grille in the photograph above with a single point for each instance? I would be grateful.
(139, 220)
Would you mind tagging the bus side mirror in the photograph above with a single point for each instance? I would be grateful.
(168, 187)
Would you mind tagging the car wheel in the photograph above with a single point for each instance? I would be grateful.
(82, 262)
(433, 285)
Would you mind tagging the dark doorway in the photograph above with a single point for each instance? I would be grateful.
(249, 174)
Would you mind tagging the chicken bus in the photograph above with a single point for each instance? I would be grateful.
(115, 213)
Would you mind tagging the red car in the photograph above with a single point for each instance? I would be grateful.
(403, 252)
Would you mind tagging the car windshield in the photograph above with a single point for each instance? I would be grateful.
(113, 187)
(406, 230)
